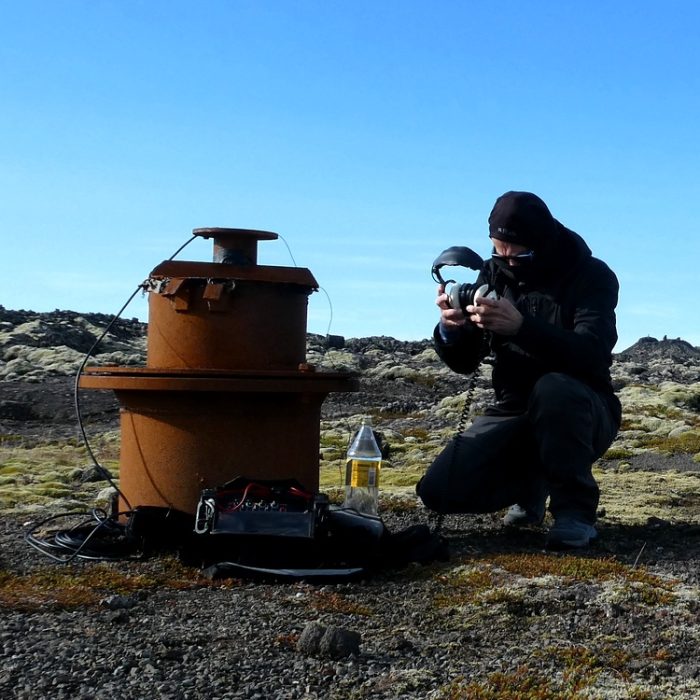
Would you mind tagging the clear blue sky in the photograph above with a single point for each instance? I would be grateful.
(371, 134)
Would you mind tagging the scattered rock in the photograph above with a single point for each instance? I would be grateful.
(16, 410)
(333, 642)
(118, 602)
(310, 638)
(338, 643)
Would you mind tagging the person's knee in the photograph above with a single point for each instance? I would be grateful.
(431, 492)
(556, 394)
(556, 384)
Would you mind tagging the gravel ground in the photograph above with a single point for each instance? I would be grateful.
(502, 619)
(501, 614)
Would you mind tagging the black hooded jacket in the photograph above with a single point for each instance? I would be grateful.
(567, 299)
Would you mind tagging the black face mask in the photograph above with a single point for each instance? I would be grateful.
(526, 272)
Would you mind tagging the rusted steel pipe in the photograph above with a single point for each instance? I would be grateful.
(235, 246)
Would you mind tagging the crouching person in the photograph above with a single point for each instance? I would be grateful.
(550, 332)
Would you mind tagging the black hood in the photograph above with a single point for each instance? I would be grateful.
(524, 219)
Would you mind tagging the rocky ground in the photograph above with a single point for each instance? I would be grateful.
(501, 619)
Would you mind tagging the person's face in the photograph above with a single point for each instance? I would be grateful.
(512, 253)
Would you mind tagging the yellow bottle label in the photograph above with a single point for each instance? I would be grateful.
(362, 473)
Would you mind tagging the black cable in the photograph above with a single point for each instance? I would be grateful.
(328, 298)
(182, 247)
(461, 425)
(289, 250)
(98, 538)
(107, 539)
(102, 471)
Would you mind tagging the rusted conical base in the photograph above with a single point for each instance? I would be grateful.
(183, 433)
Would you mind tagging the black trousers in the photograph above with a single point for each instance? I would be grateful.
(549, 450)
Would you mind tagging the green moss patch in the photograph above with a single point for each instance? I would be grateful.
(683, 443)
(39, 475)
(633, 497)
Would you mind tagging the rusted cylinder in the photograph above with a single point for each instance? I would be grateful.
(183, 432)
(229, 314)
(166, 462)
(228, 324)
(225, 391)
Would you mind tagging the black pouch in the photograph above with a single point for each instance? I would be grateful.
(245, 507)
(279, 530)
(266, 523)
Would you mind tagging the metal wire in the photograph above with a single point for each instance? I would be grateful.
(102, 471)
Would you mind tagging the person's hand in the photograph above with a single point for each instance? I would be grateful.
(449, 317)
(496, 315)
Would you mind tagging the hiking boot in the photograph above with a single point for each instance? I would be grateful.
(517, 516)
(568, 532)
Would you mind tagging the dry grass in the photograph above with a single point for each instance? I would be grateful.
(67, 588)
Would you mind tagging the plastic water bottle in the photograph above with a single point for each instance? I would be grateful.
(362, 467)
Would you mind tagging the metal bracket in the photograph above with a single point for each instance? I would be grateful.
(216, 293)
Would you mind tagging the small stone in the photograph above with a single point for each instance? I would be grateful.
(401, 644)
(333, 642)
(118, 602)
(653, 521)
(310, 638)
(106, 495)
(338, 643)
(90, 474)
(118, 616)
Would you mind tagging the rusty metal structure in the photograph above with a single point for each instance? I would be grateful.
(226, 390)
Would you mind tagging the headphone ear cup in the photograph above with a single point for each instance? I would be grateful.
(481, 292)
(484, 292)
(454, 296)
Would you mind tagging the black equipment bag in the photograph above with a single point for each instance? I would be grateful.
(261, 508)
(278, 529)
(264, 523)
